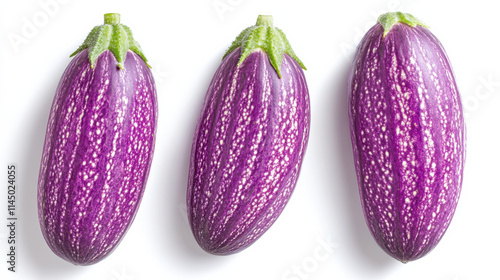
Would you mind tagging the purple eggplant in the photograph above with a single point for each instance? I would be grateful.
(249, 142)
(98, 146)
(408, 135)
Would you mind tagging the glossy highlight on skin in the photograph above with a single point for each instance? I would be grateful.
(247, 151)
(408, 138)
(97, 155)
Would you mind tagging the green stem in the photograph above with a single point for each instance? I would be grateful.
(112, 18)
(388, 20)
(264, 36)
(263, 20)
(111, 36)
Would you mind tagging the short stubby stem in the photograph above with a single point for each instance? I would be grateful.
(112, 18)
(264, 20)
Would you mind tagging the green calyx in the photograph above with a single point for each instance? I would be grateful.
(111, 36)
(263, 35)
(389, 19)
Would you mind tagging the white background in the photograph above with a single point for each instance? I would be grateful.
(184, 42)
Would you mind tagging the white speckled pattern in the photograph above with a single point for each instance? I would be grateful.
(97, 154)
(408, 136)
(247, 151)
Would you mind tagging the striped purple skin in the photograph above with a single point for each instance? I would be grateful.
(408, 138)
(97, 155)
(247, 151)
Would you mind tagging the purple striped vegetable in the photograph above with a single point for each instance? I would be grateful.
(408, 135)
(98, 146)
(249, 142)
